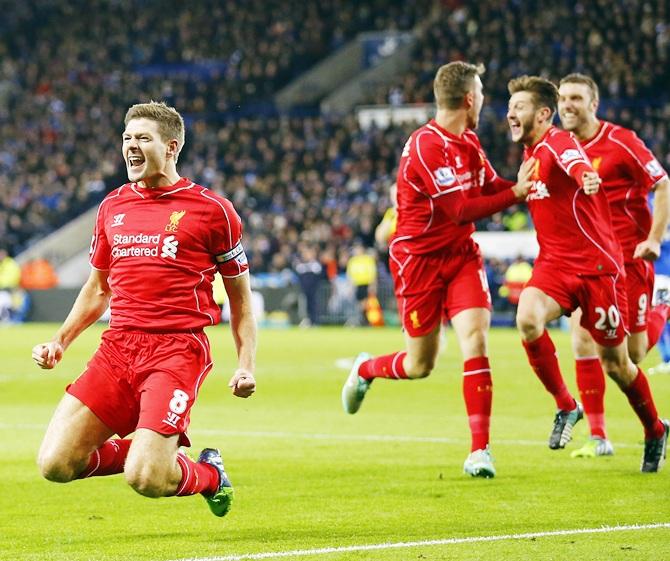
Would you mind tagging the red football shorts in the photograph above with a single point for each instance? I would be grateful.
(602, 299)
(639, 289)
(145, 380)
(431, 286)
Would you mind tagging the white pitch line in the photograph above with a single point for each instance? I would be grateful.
(446, 541)
(336, 437)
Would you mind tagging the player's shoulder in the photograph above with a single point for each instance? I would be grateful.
(430, 134)
(620, 133)
(557, 134)
(471, 136)
(115, 196)
(212, 200)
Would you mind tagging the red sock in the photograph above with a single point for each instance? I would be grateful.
(591, 385)
(640, 398)
(542, 358)
(386, 366)
(196, 477)
(108, 459)
(658, 317)
(478, 394)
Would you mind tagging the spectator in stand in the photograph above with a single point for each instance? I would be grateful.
(516, 277)
(362, 274)
(310, 276)
(10, 277)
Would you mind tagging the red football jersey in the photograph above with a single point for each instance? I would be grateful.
(574, 230)
(629, 171)
(438, 173)
(162, 247)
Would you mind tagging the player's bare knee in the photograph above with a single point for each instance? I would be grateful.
(143, 480)
(637, 354)
(529, 326)
(57, 469)
(420, 368)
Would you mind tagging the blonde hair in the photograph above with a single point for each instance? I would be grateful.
(543, 92)
(577, 78)
(453, 81)
(170, 122)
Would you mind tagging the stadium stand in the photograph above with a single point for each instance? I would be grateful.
(300, 176)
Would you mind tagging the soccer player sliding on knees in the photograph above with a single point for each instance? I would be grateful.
(158, 241)
(580, 265)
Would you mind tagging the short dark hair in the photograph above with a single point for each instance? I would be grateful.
(543, 91)
(577, 78)
(453, 81)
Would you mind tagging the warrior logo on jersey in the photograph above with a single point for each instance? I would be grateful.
(175, 217)
(117, 220)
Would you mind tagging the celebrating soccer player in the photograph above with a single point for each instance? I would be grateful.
(444, 183)
(628, 171)
(579, 265)
(158, 242)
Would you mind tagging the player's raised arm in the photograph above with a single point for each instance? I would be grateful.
(90, 304)
(243, 326)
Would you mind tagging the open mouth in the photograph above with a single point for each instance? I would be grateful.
(515, 127)
(135, 161)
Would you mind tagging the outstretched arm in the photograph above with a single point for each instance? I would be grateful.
(243, 326)
(90, 304)
(462, 210)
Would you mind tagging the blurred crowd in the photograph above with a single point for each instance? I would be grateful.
(307, 187)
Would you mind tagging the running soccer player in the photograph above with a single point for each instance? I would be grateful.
(629, 171)
(444, 183)
(579, 265)
(158, 241)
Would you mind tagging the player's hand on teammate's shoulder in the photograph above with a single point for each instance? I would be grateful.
(242, 383)
(648, 249)
(524, 180)
(47, 355)
(591, 182)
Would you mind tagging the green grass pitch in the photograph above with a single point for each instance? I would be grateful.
(309, 477)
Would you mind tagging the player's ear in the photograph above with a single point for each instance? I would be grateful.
(172, 148)
(469, 100)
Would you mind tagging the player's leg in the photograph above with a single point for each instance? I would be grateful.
(591, 385)
(646, 322)
(536, 309)
(634, 384)
(71, 440)
(416, 361)
(419, 293)
(662, 296)
(471, 329)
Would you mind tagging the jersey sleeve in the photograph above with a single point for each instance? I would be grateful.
(432, 162)
(100, 251)
(569, 155)
(644, 167)
(226, 241)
